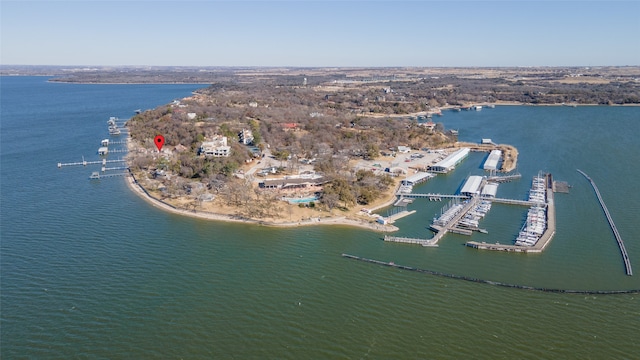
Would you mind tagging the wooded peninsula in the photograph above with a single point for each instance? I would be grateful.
(286, 145)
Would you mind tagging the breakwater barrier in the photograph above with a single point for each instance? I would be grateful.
(623, 250)
(490, 282)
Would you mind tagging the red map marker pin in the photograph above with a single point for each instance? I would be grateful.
(159, 141)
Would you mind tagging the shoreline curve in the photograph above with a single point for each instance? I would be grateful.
(136, 188)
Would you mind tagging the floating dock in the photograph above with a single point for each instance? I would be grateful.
(623, 250)
(405, 240)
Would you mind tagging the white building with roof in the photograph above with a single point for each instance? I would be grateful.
(217, 147)
(492, 160)
(449, 163)
(489, 190)
(417, 178)
(472, 186)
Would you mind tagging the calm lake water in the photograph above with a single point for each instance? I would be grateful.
(89, 270)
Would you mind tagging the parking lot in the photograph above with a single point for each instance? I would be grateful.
(403, 163)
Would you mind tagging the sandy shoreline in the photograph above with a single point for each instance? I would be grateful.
(337, 220)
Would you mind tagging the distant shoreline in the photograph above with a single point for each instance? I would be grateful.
(120, 83)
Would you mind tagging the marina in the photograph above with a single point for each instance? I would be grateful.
(463, 213)
(165, 272)
(537, 234)
(536, 222)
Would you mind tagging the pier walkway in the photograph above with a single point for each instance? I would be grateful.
(440, 231)
(85, 163)
(623, 250)
(423, 242)
(450, 226)
(433, 196)
(514, 202)
(97, 176)
(505, 178)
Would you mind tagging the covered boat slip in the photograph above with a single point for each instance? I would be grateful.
(417, 178)
(489, 190)
(492, 160)
(447, 164)
(472, 186)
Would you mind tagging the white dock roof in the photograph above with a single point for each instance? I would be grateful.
(450, 161)
(417, 178)
(490, 190)
(492, 160)
(472, 185)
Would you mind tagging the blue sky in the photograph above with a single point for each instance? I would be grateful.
(320, 33)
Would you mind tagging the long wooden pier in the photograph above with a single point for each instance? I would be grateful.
(623, 250)
(85, 163)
